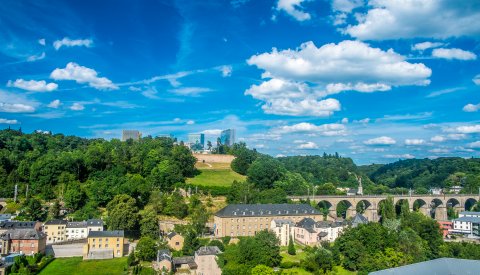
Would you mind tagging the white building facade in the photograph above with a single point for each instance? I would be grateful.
(468, 223)
(79, 230)
(283, 229)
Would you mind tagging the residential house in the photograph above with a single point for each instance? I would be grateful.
(358, 219)
(175, 241)
(184, 265)
(311, 232)
(12, 225)
(436, 191)
(283, 229)
(104, 245)
(163, 264)
(79, 230)
(25, 241)
(247, 219)
(467, 225)
(446, 227)
(206, 260)
(55, 230)
(456, 189)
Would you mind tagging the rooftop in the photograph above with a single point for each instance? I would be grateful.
(54, 222)
(76, 224)
(280, 222)
(23, 234)
(190, 260)
(442, 266)
(94, 222)
(469, 213)
(254, 210)
(468, 219)
(16, 224)
(116, 233)
(164, 254)
(208, 250)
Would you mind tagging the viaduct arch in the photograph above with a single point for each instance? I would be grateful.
(430, 205)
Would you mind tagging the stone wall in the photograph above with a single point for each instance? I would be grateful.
(214, 158)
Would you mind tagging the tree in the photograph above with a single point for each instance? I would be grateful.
(165, 175)
(184, 160)
(146, 249)
(33, 210)
(149, 224)
(176, 206)
(291, 247)
(262, 270)
(54, 210)
(387, 209)
(131, 258)
(267, 248)
(122, 213)
(191, 242)
(218, 244)
(244, 157)
(75, 197)
(264, 171)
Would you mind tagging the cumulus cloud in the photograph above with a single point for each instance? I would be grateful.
(383, 140)
(308, 146)
(293, 8)
(54, 104)
(396, 19)
(77, 107)
(67, 42)
(353, 63)
(212, 132)
(403, 156)
(471, 107)
(82, 74)
(16, 108)
(344, 120)
(42, 41)
(453, 54)
(467, 129)
(426, 45)
(414, 141)
(332, 129)
(32, 85)
(476, 79)
(8, 121)
(438, 138)
(190, 122)
(362, 121)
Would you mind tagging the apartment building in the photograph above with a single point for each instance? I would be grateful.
(55, 230)
(104, 245)
(79, 230)
(247, 219)
(24, 241)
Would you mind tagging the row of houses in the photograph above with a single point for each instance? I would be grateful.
(467, 223)
(61, 230)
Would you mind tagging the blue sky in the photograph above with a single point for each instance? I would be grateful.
(376, 80)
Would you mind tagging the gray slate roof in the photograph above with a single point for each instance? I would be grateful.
(256, 210)
(164, 254)
(16, 224)
(442, 266)
(4, 217)
(469, 213)
(55, 222)
(208, 250)
(468, 219)
(112, 234)
(359, 219)
(76, 224)
(190, 260)
(94, 222)
(171, 235)
(23, 234)
(280, 222)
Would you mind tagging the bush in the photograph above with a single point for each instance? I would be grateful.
(288, 265)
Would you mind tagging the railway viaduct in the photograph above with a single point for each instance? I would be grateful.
(431, 205)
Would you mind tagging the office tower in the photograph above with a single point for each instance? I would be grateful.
(227, 137)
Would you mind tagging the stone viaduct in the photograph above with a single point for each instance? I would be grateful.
(431, 205)
(3, 203)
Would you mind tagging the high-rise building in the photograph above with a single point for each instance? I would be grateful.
(227, 137)
(196, 139)
(131, 134)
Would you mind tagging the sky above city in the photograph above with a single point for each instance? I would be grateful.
(376, 81)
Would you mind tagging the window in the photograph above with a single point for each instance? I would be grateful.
(177, 243)
(118, 252)
(100, 246)
(118, 245)
(106, 245)
(93, 246)
(118, 239)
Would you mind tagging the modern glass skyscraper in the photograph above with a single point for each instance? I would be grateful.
(196, 139)
(227, 137)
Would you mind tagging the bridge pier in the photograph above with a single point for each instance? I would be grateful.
(351, 212)
(441, 213)
(371, 214)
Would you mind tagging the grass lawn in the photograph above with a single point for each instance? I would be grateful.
(76, 266)
(292, 258)
(215, 177)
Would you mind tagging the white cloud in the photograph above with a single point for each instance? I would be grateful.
(81, 74)
(16, 108)
(32, 85)
(403, 156)
(308, 146)
(471, 107)
(439, 151)
(438, 138)
(476, 79)
(212, 132)
(293, 8)
(453, 54)
(33, 58)
(456, 136)
(54, 104)
(362, 121)
(444, 91)
(346, 5)
(67, 42)
(8, 121)
(226, 70)
(414, 141)
(353, 63)
(395, 19)
(383, 140)
(190, 91)
(332, 129)
(334, 88)
(190, 122)
(426, 45)
(344, 120)
(42, 41)
(470, 129)
(475, 144)
(77, 107)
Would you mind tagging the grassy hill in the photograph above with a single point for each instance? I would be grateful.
(76, 266)
(215, 174)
